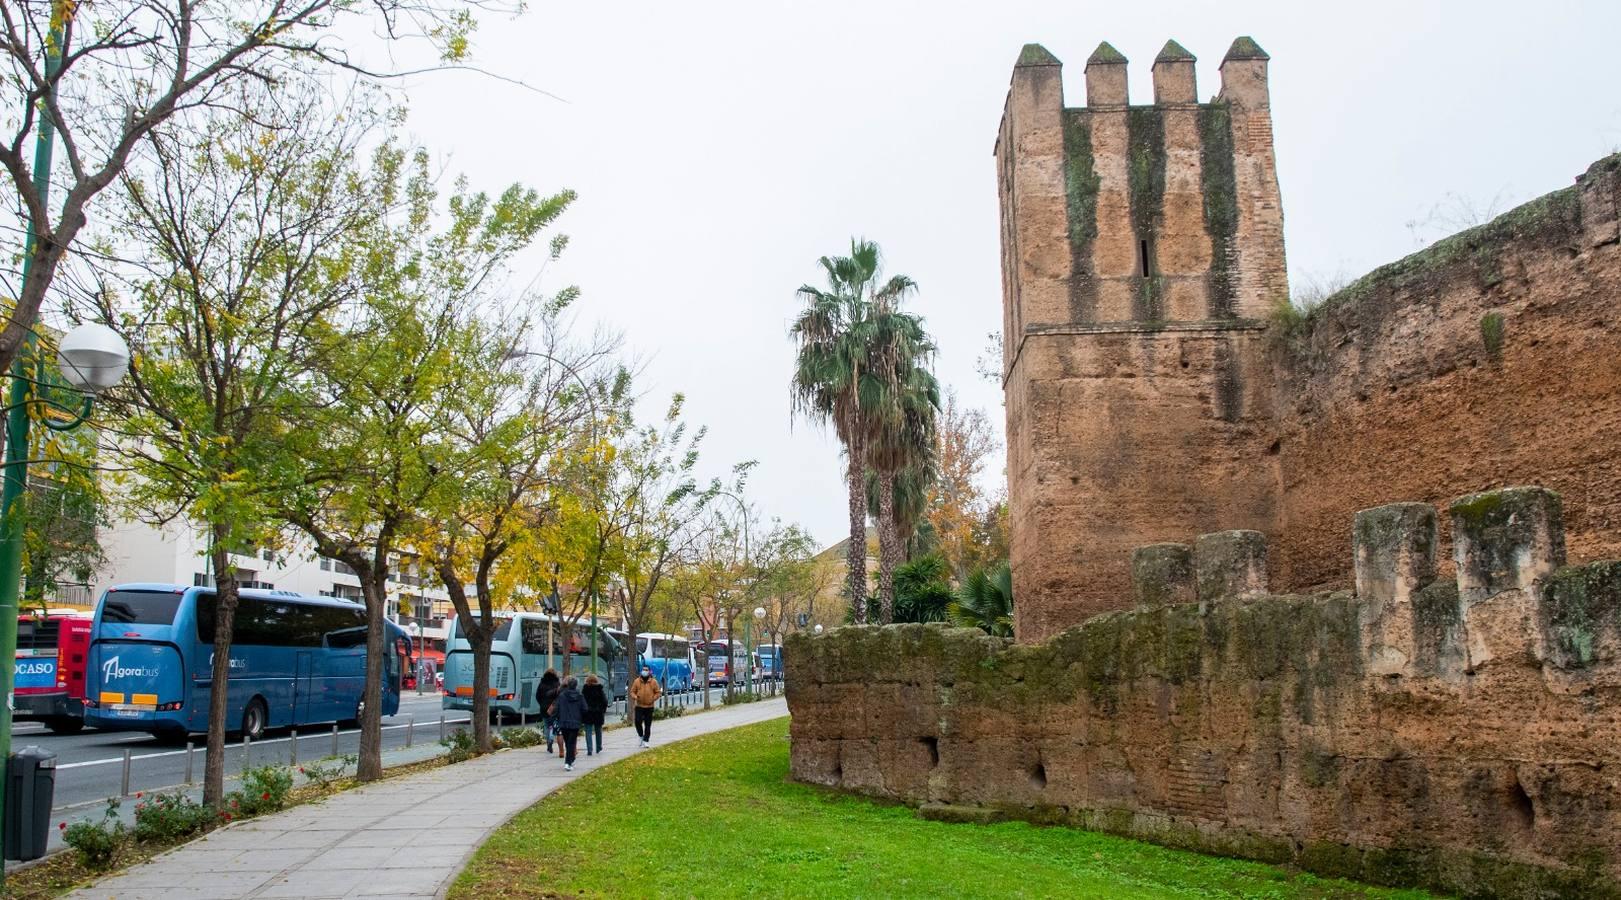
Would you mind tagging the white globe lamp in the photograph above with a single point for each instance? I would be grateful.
(92, 358)
(759, 613)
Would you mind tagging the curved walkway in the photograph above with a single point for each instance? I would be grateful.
(404, 837)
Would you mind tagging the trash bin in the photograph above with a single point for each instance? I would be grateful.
(30, 789)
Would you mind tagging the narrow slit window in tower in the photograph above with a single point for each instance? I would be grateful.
(1145, 257)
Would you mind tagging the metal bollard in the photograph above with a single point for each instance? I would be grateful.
(410, 730)
(190, 751)
(334, 739)
(441, 727)
(124, 791)
(247, 753)
(523, 718)
(293, 748)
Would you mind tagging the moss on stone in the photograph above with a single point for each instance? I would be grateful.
(1553, 219)
(1581, 607)
(1036, 55)
(1106, 55)
(1146, 184)
(1491, 333)
(1220, 186)
(1245, 48)
(1081, 182)
(1174, 52)
(1319, 769)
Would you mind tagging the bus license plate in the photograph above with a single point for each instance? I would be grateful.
(129, 710)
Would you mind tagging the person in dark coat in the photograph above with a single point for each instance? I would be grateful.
(596, 713)
(546, 695)
(569, 708)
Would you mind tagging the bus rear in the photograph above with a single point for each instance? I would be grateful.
(503, 688)
(49, 678)
(136, 664)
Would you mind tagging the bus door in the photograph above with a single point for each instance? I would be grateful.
(303, 686)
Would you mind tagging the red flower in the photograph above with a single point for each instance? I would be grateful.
(62, 825)
(300, 770)
(227, 817)
(138, 794)
(266, 796)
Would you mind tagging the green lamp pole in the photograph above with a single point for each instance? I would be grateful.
(16, 465)
(593, 632)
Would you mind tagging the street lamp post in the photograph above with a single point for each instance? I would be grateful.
(421, 670)
(90, 358)
(748, 644)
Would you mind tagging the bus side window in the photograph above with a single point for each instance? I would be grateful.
(534, 636)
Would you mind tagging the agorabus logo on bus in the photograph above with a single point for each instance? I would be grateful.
(111, 670)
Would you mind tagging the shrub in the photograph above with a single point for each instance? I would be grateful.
(326, 774)
(461, 747)
(739, 697)
(668, 712)
(522, 737)
(264, 790)
(170, 817)
(97, 843)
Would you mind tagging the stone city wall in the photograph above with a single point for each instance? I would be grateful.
(1455, 732)
(1489, 358)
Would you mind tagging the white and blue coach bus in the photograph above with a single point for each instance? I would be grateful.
(295, 660)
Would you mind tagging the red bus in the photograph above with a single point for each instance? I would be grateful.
(50, 674)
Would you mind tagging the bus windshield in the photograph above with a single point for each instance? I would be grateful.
(141, 607)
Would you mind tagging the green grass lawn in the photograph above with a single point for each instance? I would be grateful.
(715, 817)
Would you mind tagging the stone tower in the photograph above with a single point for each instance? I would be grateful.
(1142, 247)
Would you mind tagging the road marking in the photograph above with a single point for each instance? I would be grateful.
(310, 737)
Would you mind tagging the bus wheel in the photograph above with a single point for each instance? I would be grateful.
(253, 719)
(65, 725)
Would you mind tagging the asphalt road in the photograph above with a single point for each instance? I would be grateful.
(90, 764)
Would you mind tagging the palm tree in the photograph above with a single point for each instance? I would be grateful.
(901, 454)
(839, 374)
(985, 601)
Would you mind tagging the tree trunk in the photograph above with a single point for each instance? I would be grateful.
(225, 600)
(481, 662)
(856, 554)
(370, 766)
(479, 638)
(481, 690)
(888, 547)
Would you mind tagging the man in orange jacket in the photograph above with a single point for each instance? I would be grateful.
(644, 692)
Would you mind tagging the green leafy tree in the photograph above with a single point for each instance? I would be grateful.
(840, 374)
(985, 601)
(413, 353)
(901, 447)
(235, 244)
(518, 435)
(124, 70)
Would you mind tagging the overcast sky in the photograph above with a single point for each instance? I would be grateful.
(719, 148)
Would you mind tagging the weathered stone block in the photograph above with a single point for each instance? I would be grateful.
(1229, 564)
(1580, 616)
(1506, 540)
(1394, 549)
(1162, 574)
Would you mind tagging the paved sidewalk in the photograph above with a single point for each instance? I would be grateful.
(404, 837)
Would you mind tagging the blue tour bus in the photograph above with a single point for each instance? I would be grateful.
(518, 659)
(295, 660)
(670, 657)
(770, 661)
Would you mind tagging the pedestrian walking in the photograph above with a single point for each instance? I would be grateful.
(546, 695)
(596, 713)
(645, 692)
(569, 709)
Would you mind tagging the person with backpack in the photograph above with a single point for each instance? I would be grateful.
(596, 712)
(568, 710)
(644, 692)
(546, 695)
